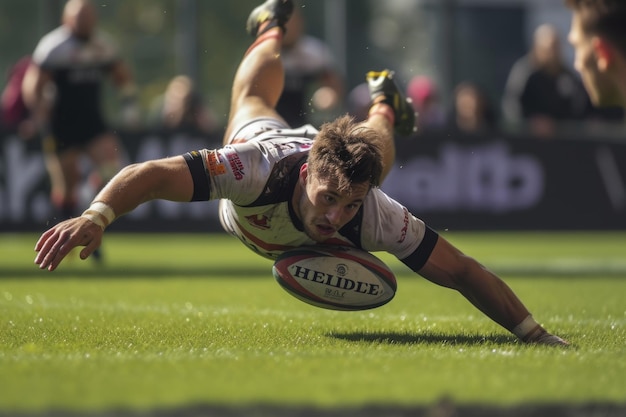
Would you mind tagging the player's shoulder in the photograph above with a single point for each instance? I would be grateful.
(282, 142)
(387, 225)
(380, 209)
(60, 47)
(56, 36)
(51, 44)
(262, 156)
(379, 196)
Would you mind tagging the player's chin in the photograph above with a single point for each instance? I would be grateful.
(319, 234)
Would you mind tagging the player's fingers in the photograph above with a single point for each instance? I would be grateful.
(55, 244)
(42, 240)
(56, 251)
(89, 249)
(44, 246)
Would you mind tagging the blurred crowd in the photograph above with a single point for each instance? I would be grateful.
(53, 97)
(543, 96)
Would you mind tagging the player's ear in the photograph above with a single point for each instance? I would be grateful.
(604, 52)
(304, 173)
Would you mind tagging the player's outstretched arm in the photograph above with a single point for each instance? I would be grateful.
(166, 179)
(449, 267)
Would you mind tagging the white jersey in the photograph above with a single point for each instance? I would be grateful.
(255, 181)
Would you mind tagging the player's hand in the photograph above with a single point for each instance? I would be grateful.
(550, 339)
(54, 245)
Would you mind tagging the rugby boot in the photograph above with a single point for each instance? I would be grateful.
(277, 12)
(381, 84)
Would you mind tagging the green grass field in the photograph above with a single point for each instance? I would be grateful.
(176, 320)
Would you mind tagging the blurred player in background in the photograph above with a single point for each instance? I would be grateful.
(472, 111)
(424, 93)
(15, 115)
(541, 91)
(65, 81)
(181, 108)
(283, 188)
(312, 82)
(598, 35)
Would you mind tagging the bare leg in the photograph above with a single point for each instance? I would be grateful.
(258, 82)
(390, 113)
(381, 119)
(64, 177)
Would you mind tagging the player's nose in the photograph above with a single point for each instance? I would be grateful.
(334, 216)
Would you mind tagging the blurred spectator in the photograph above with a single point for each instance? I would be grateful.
(472, 110)
(181, 108)
(426, 100)
(597, 33)
(541, 90)
(70, 65)
(312, 83)
(358, 102)
(15, 115)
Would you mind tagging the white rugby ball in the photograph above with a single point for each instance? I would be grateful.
(335, 277)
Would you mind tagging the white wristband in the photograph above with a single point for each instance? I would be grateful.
(526, 328)
(100, 213)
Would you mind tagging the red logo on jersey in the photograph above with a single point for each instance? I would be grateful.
(214, 165)
(236, 165)
(259, 221)
(405, 229)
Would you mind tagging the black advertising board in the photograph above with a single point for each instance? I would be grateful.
(452, 181)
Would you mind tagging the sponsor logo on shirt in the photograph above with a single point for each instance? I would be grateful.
(235, 165)
(214, 165)
(405, 228)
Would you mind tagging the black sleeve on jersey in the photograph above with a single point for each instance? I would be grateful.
(201, 185)
(418, 259)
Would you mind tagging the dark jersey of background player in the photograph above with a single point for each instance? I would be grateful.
(65, 81)
(78, 67)
(312, 81)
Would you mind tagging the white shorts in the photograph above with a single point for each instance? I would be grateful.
(254, 128)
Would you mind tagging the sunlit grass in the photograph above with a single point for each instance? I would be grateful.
(175, 320)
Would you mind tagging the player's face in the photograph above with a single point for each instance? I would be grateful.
(323, 209)
(80, 18)
(596, 80)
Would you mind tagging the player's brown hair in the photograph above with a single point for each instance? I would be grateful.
(346, 152)
(606, 18)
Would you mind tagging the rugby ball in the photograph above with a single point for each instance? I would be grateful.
(335, 277)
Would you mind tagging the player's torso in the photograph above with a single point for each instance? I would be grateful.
(256, 181)
(257, 188)
(78, 68)
(273, 229)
